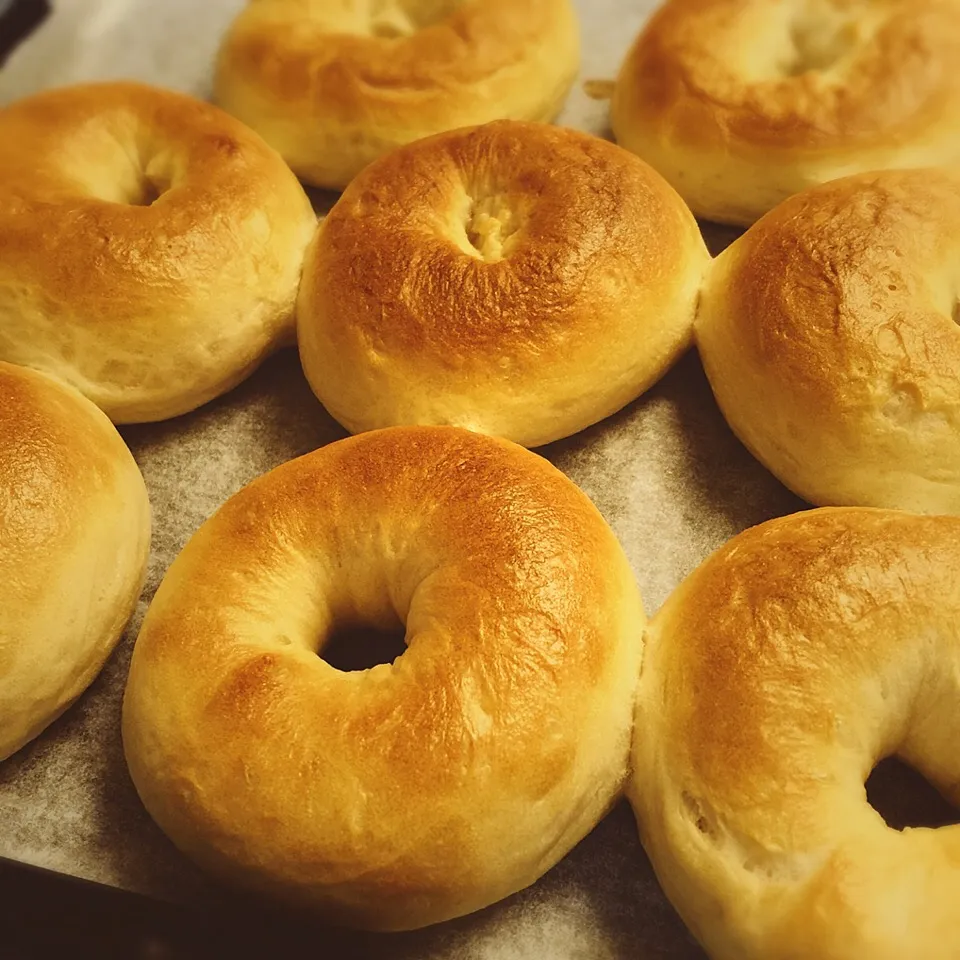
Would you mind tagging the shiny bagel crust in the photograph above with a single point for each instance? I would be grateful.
(775, 678)
(408, 793)
(742, 103)
(517, 279)
(828, 333)
(74, 537)
(333, 86)
(150, 246)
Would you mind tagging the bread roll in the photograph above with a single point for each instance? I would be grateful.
(415, 791)
(742, 103)
(150, 246)
(828, 334)
(516, 279)
(774, 679)
(74, 538)
(334, 85)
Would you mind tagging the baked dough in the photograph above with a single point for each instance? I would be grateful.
(74, 537)
(517, 279)
(334, 85)
(829, 335)
(413, 792)
(774, 679)
(742, 103)
(150, 246)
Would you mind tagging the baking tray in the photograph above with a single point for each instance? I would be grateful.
(666, 473)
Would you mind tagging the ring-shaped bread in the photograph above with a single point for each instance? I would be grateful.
(829, 334)
(74, 538)
(517, 279)
(415, 791)
(774, 679)
(150, 246)
(334, 85)
(742, 103)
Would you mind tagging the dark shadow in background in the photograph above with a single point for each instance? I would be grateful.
(17, 20)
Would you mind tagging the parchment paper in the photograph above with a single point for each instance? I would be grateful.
(666, 473)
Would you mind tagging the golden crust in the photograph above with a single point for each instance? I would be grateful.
(409, 793)
(775, 677)
(150, 246)
(332, 89)
(74, 536)
(517, 279)
(828, 334)
(740, 103)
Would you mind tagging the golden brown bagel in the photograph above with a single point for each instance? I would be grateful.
(517, 279)
(150, 246)
(413, 792)
(74, 537)
(334, 85)
(828, 333)
(742, 103)
(774, 679)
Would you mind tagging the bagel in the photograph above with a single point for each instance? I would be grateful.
(150, 246)
(774, 679)
(414, 792)
(517, 279)
(335, 85)
(828, 334)
(742, 103)
(74, 537)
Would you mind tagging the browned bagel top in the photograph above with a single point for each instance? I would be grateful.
(353, 58)
(850, 291)
(511, 239)
(816, 74)
(117, 194)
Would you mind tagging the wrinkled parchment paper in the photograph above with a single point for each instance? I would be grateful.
(666, 473)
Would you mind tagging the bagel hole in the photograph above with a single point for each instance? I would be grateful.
(395, 19)
(956, 313)
(817, 42)
(491, 226)
(151, 189)
(905, 798)
(356, 648)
